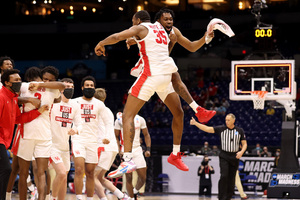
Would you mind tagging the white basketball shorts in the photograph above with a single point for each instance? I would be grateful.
(29, 148)
(87, 150)
(106, 159)
(57, 156)
(145, 86)
(138, 158)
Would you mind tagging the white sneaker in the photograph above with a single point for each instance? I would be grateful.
(125, 167)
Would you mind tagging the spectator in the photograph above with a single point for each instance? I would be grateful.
(215, 151)
(205, 150)
(203, 97)
(270, 111)
(212, 90)
(221, 110)
(159, 106)
(277, 157)
(225, 103)
(257, 150)
(205, 171)
(265, 152)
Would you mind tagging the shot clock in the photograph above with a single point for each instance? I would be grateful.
(264, 38)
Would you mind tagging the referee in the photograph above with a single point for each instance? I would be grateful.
(231, 137)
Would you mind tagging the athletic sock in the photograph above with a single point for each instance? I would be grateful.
(119, 194)
(79, 197)
(54, 198)
(194, 106)
(176, 149)
(127, 156)
(135, 191)
(8, 195)
(104, 198)
(89, 198)
(47, 197)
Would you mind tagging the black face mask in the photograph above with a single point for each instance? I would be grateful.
(68, 93)
(88, 92)
(16, 86)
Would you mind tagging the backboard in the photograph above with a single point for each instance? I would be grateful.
(275, 76)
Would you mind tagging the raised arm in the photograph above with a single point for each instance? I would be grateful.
(51, 85)
(202, 127)
(187, 44)
(136, 30)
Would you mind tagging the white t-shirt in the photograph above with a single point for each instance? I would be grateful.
(64, 116)
(39, 128)
(139, 124)
(91, 112)
(154, 51)
(110, 134)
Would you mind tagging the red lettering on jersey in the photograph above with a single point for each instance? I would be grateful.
(161, 37)
(61, 119)
(88, 116)
(87, 106)
(65, 109)
(57, 158)
(38, 95)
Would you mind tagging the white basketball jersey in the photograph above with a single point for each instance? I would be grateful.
(39, 128)
(154, 52)
(139, 124)
(110, 134)
(64, 116)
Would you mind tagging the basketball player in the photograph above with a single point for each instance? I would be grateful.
(36, 140)
(137, 151)
(5, 63)
(107, 154)
(165, 18)
(156, 77)
(65, 121)
(84, 145)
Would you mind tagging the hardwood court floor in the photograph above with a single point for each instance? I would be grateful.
(162, 197)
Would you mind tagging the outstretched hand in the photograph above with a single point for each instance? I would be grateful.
(193, 121)
(130, 42)
(100, 49)
(210, 35)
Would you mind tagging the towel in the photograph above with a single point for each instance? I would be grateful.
(218, 24)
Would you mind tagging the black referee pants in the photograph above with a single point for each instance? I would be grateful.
(5, 170)
(228, 166)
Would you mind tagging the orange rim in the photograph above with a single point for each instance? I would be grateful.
(261, 94)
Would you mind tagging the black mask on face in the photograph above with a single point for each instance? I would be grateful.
(16, 86)
(68, 93)
(88, 92)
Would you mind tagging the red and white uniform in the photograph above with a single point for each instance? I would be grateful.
(36, 135)
(85, 144)
(157, 66)
(64, 116)
(107, 152)
(137, 151)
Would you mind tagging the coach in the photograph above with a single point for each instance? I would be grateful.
(231, 137)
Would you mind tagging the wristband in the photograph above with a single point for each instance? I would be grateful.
(148, 149)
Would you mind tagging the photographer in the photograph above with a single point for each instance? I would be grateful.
(205, 171)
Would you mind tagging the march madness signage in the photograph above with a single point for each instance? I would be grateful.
(285, 180)
(260, 167)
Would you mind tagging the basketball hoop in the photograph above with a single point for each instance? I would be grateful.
(258, 98)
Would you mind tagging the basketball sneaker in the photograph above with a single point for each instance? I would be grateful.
(177, 161)
(125, 167)
(204, 115)
(126, 197)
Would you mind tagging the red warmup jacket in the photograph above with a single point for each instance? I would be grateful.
(10, 115)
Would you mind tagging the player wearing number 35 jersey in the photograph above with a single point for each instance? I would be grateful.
(156, 74)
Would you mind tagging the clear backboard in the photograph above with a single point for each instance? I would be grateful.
(274, 76)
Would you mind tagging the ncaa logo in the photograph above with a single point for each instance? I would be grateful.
(241, 165)
(274, 176)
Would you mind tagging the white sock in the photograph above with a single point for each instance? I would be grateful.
(8, 195)
(119, 194)
(104, 198)
(176, 149)
(194, 106)
(127, 156)
(135, 191)
(79, 197)
(47, 197)
(54, 198)
(89, 198)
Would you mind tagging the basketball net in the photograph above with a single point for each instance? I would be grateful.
(258, 98)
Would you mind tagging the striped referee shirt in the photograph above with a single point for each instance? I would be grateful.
(230, 138)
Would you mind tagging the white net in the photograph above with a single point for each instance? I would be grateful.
(258, 98)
